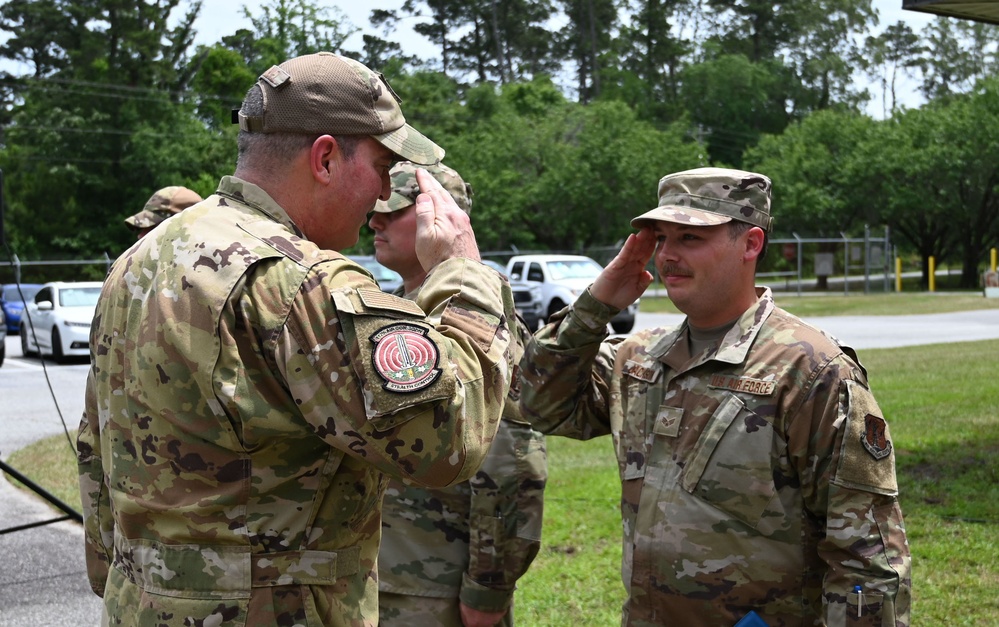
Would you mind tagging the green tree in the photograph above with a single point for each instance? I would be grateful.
(586, 40)
(38, 35)
(486, 40)
(813, 165)
(653, 52)
(77, 152)
(934, 173)
(559, 175)
(815, 37)
(290, 28)
(957, 54)
(896, 50)
(825, 50)
(443, 17)
(220, 84)
(508, 40)
(755, 29)
(731, 102)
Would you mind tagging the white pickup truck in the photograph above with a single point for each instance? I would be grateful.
(562, 278)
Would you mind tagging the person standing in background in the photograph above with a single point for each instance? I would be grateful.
(166, 202)
(451, 557)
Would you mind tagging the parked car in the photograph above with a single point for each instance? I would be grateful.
(3, 337)
(388, 280)
(57, 321)
(562, 278)
(12, 305)
(526, 297)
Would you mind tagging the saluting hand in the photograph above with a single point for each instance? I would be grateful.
(625, 277)
(443, 230)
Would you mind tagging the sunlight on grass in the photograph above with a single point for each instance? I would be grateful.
(811, 304)
(51, 464)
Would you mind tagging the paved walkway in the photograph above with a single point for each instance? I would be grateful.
(862, 332)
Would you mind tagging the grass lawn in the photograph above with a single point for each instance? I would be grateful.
(833, 304)
(942, 403)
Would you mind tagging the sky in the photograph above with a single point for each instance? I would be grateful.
(218, 18)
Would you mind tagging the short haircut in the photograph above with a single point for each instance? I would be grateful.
(738, 227)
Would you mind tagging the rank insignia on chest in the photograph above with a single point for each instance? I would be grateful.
(668, 421)
(875, 438)
(405, 357)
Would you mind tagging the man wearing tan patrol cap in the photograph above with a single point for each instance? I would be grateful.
(757, 471)
(160, 206)
(252, 389)
(451, 557)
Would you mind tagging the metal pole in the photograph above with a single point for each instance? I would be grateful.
(887, 257)
(800, 250)
(846, 264)
(867, 259)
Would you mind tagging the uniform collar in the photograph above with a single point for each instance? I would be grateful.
(257, 199)
(671, 349)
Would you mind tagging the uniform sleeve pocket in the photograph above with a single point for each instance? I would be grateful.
(732, 464)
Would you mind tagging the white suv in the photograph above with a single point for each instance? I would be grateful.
(562, 279)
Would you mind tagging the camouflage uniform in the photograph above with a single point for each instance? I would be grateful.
(758, 475)
(161, 205)
(470, 542)
(249, 393)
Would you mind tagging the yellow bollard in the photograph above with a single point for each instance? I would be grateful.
(933, 273)
(993, 255)
(898, 274)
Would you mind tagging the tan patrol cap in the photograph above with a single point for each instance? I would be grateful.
(405, 188)
(324, 93)
(161, 205)
(709, 196)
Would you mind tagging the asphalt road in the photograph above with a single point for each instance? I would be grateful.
(43, 581)
(864, 332)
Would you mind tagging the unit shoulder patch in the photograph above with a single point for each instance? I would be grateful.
(404, 357)
(875, 438)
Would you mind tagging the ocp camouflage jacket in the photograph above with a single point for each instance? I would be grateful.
(249, 393)
(757, 477)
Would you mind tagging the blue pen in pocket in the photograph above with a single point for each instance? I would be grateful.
(751, 619)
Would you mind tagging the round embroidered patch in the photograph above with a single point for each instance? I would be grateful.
(405, 357)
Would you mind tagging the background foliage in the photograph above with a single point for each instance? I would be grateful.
(562, 114)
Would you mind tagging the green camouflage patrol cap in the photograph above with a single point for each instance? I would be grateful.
(709, 196)
(161, 205)
(324, 93)
(405, 189)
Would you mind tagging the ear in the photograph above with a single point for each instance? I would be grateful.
(324, 157)
(754, 244)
